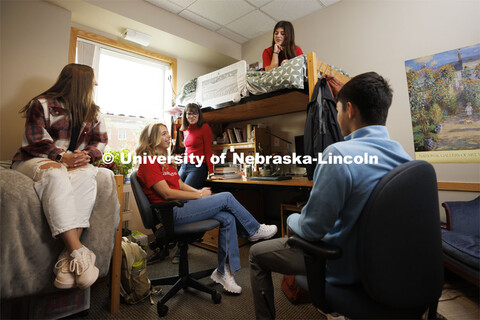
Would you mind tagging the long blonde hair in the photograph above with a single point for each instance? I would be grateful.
(75, 87)
(150, 138)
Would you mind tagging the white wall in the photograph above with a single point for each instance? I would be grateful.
(34, 49)
(187, 70)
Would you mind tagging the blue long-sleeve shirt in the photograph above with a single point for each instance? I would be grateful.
(340, 192)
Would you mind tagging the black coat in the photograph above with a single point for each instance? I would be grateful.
(321, 126)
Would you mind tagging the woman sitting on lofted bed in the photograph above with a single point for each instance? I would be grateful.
(283, 46)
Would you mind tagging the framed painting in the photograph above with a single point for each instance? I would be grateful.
(444, 94)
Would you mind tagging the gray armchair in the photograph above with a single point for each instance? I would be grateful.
(28, 252)
(461, 239)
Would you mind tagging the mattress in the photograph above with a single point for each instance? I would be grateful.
(229, 85)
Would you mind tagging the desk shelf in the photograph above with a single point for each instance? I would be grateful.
(236, 146)
(260, 145)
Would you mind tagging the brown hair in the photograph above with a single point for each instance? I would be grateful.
(75, 87)
(192, 107)
(290, 49)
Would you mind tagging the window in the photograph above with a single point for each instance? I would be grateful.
(122, 134)
(134, 85)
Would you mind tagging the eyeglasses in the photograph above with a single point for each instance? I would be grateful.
(191, 114)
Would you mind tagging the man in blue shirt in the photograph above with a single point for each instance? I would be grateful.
(340, 190)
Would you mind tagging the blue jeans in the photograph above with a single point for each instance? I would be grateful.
(224, 208)
(192, 175)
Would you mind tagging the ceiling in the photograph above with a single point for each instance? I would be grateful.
(241, 20)
(90, 16)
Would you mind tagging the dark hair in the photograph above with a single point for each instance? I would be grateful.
(195, 108)
(290, 49)
(371, 93)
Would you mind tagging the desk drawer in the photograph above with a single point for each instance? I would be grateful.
(210, 240)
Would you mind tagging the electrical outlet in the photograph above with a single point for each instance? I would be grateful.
(276, 142)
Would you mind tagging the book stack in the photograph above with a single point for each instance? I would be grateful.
(224, 173)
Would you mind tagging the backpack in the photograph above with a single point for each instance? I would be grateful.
(321, 126)
(292, 290)
(134, 282)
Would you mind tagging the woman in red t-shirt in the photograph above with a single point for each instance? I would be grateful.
(283, 46)
(161, 182)
(198, 142)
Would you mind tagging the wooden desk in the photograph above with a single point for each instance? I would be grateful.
(263, 197)
(254, 196)
(295, 182)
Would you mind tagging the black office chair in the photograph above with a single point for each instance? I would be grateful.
(182, 234)
(399, 252)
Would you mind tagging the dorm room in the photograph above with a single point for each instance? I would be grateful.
(356, 36)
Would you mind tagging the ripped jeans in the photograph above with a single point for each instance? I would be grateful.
(67, 197)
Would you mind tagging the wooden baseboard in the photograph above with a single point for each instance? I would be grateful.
(459, 186)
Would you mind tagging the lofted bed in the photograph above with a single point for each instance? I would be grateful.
(282, 101)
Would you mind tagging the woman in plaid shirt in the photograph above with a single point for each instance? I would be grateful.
(64, 134)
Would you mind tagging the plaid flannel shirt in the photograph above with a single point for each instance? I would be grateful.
(48, 133)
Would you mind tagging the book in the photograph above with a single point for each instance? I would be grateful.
(223, 170)
(225, 176)
(231, 136)
(238, 134)
(225, 138)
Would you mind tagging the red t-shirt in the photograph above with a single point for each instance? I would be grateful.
(151, 173)
(267, 56)
(198, 142)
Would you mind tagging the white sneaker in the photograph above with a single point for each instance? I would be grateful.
(83, 265)
(227, 281)
(264, 232)
(65, 279)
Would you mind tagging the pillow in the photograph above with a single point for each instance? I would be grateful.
(187, 94)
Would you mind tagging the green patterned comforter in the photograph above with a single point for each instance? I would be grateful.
(290, 75)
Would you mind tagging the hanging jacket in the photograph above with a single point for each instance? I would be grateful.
(321, 126)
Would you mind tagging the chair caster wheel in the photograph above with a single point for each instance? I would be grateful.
(152, 246)
(162, 310)
(216, 297)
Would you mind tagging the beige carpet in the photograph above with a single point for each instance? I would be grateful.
(191, 304)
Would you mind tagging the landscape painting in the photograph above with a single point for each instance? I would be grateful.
(444, 94)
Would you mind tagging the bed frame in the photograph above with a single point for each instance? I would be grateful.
(288, 102)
